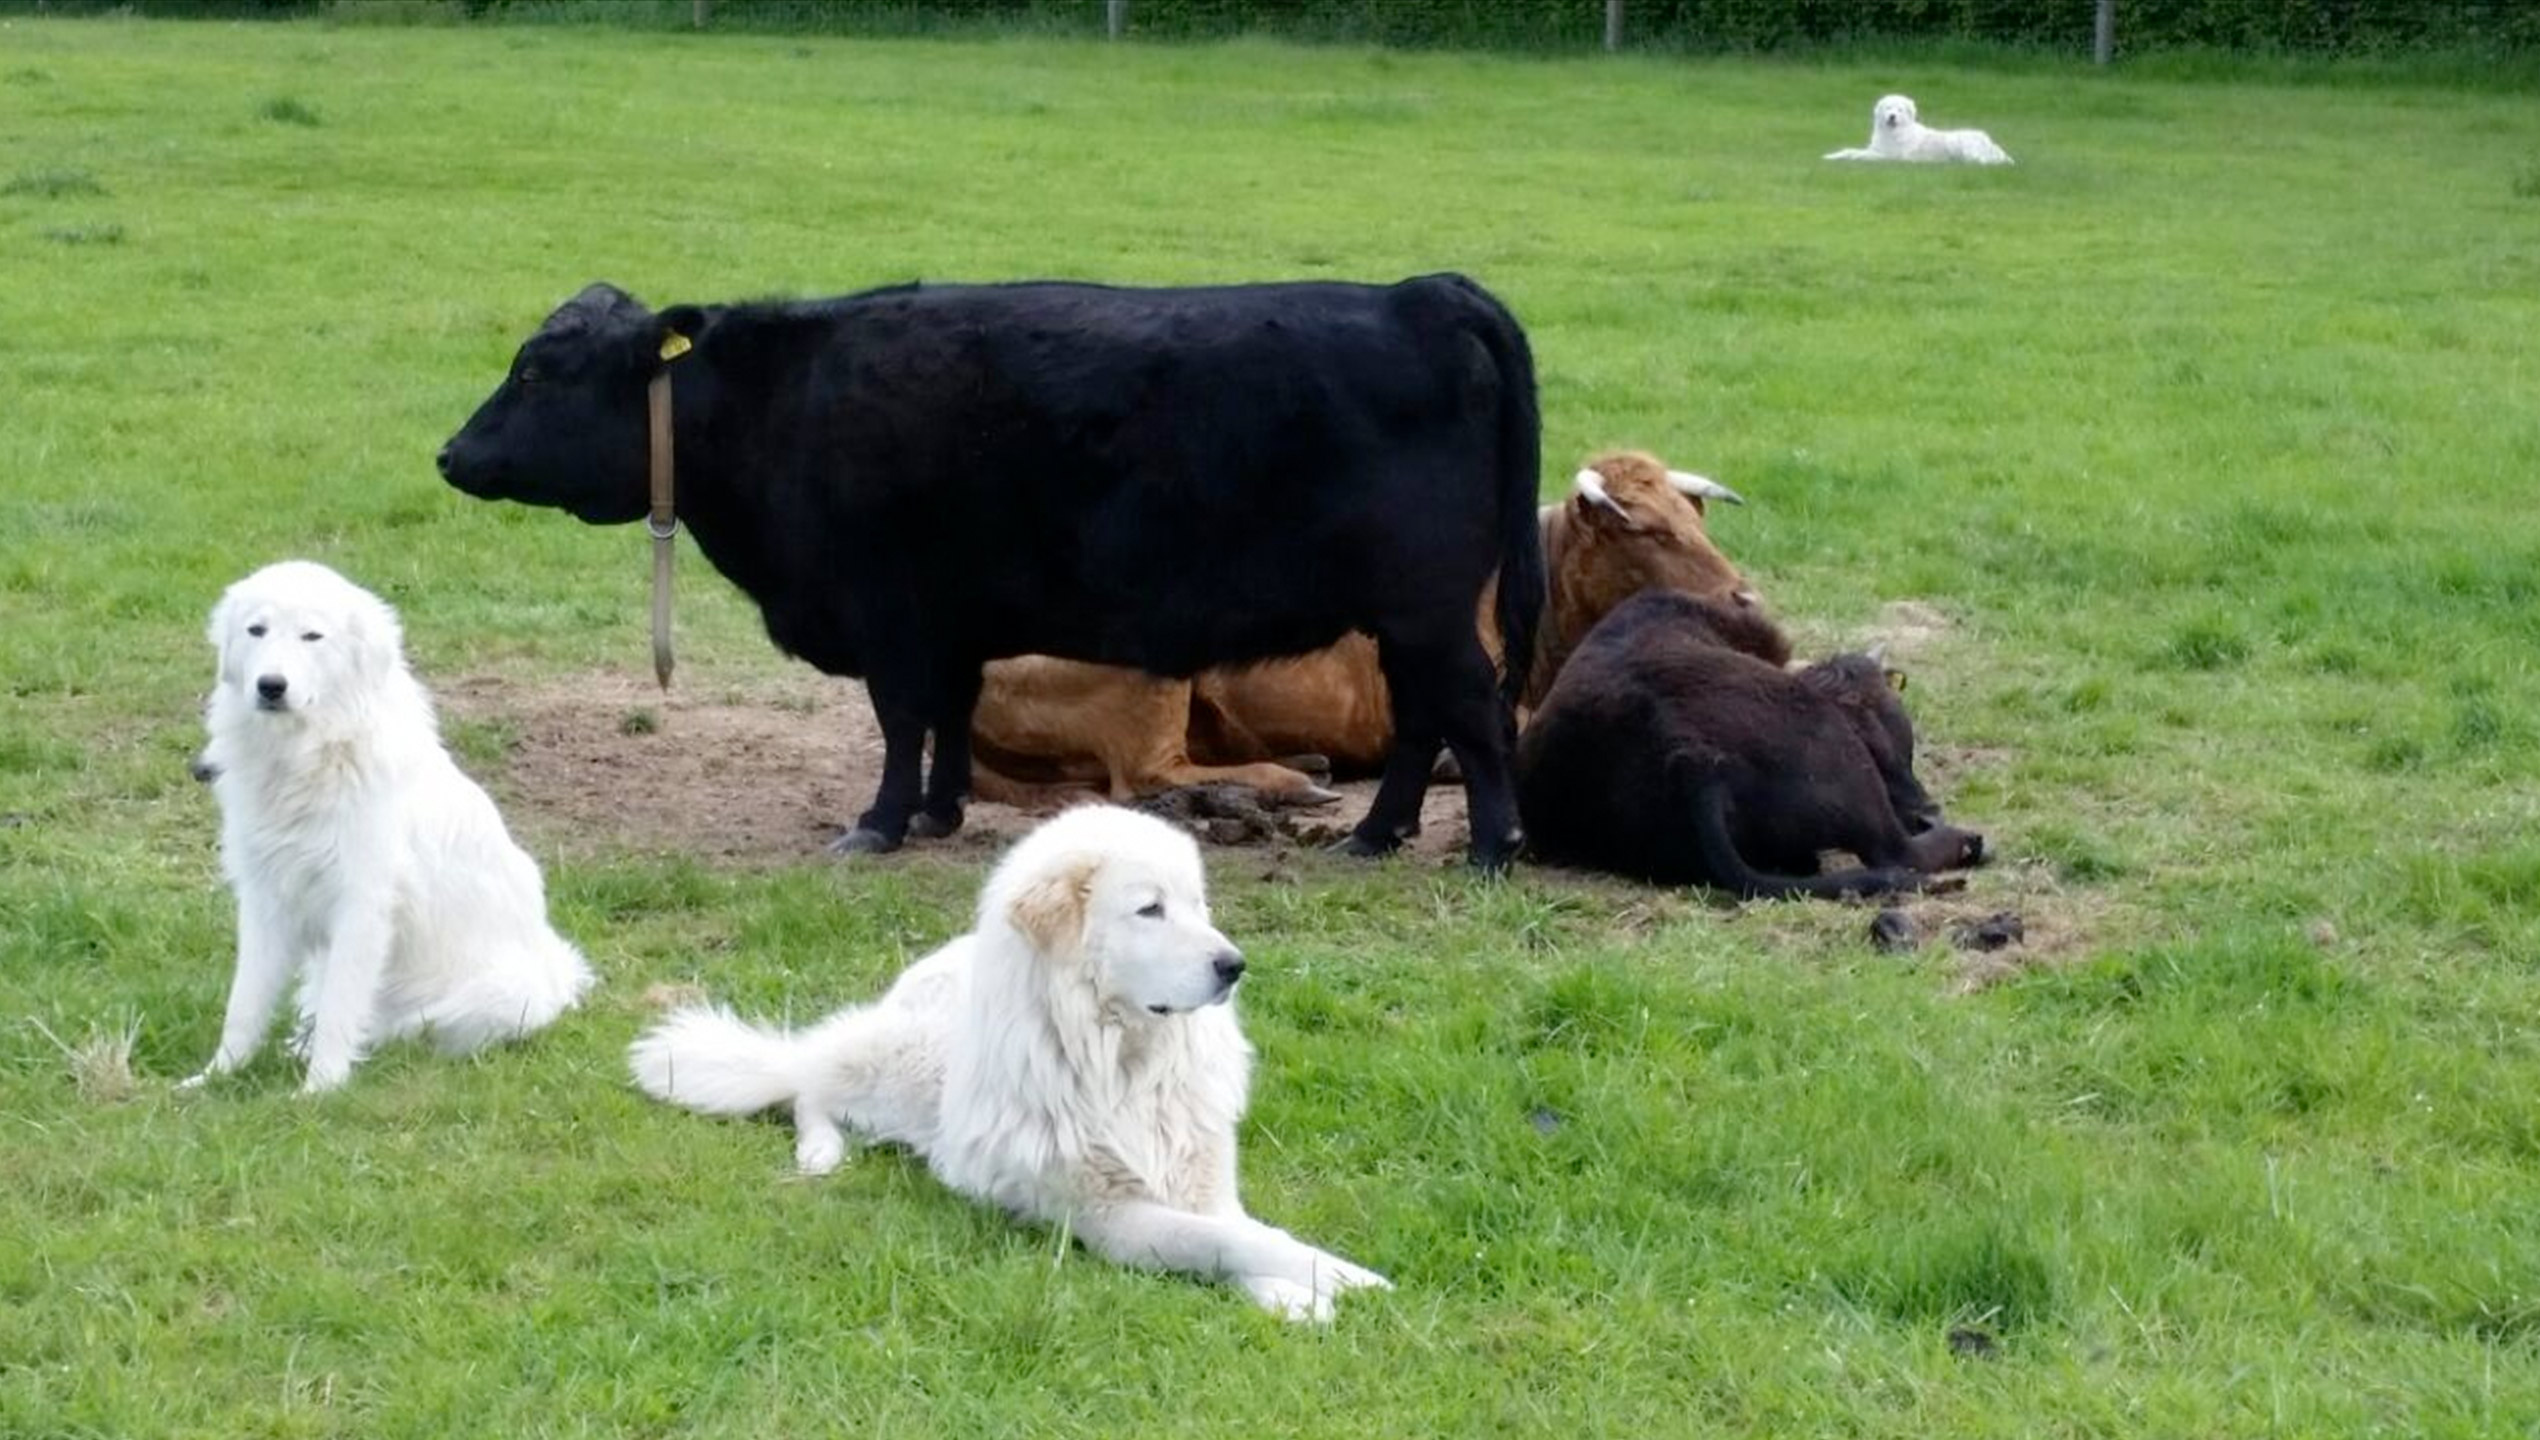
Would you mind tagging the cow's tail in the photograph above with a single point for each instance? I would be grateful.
(1520, 449)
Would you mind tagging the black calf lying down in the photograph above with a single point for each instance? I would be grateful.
(1674, 747)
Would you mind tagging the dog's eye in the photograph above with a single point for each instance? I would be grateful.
(258, 631)
(1152, 910)
(311, 635)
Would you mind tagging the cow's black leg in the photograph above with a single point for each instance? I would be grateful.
(1410, 677)
(1480, 733)
(1395, 815)
(882, 827)
(1705, 804)
(948, 783)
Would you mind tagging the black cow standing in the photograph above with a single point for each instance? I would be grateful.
(911, 482)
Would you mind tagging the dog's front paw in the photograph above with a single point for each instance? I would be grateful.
(326, 1075)
(195, 1081)
(1334, 1276)
(1290, 1301)
(820, 1154)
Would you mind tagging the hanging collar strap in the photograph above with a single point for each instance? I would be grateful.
(663, 522)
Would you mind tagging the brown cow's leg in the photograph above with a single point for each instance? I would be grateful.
(1276, 784)
(999, 789)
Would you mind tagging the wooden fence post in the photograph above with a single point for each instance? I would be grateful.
(1613, 25)
(697, 11)
(1115, 17)
(2103, 33)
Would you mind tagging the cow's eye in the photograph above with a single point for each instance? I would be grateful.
(529, 375)
(311, 636)
(258, 631)
(1152, 910)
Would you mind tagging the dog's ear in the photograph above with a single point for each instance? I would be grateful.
(1051, 910)
(217, 630)
(371, 625)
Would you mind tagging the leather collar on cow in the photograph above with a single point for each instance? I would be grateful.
(663, 522)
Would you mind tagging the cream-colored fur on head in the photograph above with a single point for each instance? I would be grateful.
(1073, 1060)
(366, 865)
(1898, 133)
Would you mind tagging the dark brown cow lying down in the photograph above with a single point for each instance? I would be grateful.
(1675, 747)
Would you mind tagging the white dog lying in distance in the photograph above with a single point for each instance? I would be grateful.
(1073, 1060)
(364, 862)
(1896, 134)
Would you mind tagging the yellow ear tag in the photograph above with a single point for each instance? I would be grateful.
(675, 345)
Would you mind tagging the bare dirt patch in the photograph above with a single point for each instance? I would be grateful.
(768, 769)
(765, 771)
(2059, 922)
(1905, 629)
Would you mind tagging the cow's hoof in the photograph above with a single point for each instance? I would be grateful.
(863, 841)
(1975, 853)
(1362, 846)
(1892, 932)
(1494, 860)
(931, 827)
(1312, 797)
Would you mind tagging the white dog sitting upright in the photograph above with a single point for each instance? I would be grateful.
(364, 862)
(1074, 1060)
(1897, 134)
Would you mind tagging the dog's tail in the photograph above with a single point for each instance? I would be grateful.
(707, 1059)
(520, 992)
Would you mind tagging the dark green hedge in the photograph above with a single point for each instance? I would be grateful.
(2326, 27)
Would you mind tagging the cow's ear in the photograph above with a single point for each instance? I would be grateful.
(1895, 679)
(1603, 514)
(678, 328)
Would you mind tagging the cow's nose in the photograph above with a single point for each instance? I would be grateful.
(1229, 965)
(442, 462)
(271, 686)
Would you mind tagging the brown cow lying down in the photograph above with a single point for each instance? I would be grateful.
(1047, 728)
(1675, 747)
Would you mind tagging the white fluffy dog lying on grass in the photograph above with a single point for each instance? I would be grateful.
(365, 863)
(1896, 134)
(1073, 1060)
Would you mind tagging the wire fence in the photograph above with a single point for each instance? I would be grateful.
(2075, 27)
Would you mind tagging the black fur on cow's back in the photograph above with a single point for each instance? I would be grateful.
(990, 392)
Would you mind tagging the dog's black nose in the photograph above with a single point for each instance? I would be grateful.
(442, 462)
(271, 686)
(1229, 965)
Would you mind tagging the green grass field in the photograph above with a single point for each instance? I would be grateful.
(2202, 441)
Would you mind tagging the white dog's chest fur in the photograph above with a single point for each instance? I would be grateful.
(1144, 1114)
(293, 830)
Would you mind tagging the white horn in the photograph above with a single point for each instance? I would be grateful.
(1592, 485)
(1703, 486)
